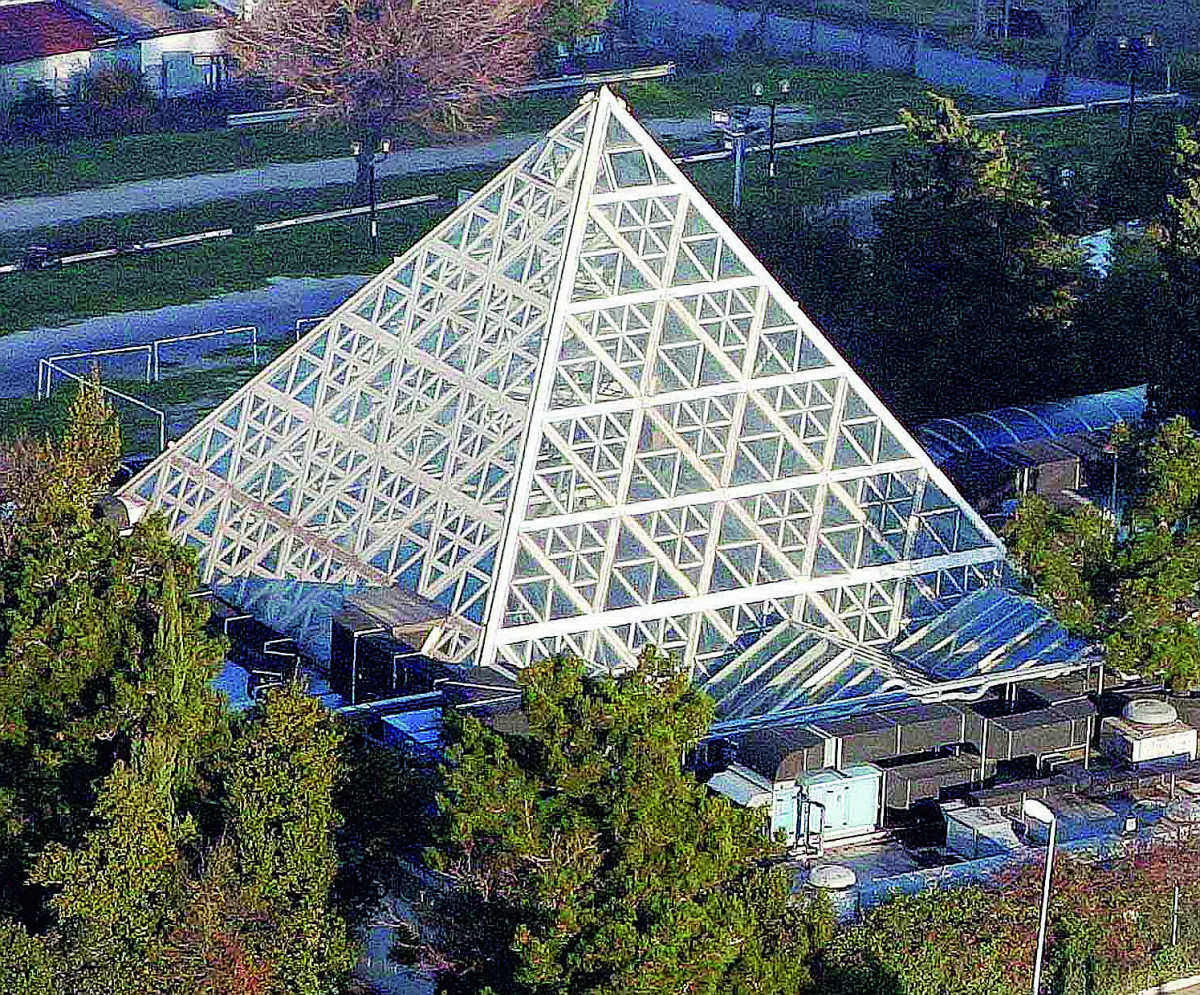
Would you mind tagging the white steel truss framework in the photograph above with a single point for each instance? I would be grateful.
(581, 416)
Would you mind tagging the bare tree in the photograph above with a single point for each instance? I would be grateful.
(374, 64)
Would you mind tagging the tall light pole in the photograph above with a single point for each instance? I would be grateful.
(1037, 810)
(785, 87)
(1130, 47)
(384, 150)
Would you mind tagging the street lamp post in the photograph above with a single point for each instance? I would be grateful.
(1130, 47)
(785, 87)
(733, 127)
(1039, 811)
(384, 150)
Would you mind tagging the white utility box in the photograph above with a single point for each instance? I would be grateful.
(1137, 742)
(978, 832)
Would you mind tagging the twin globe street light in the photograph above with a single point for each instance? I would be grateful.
(377, 156)
(732, 124)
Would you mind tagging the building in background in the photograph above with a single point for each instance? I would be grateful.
(53, 43)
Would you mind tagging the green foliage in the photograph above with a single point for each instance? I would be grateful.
(965, 941)
(88, 675)
(968, 242)
(584, 858)
(143, 846)
(1068, 555)
(1109, 933)
(1133, 592)
(26, 962)
(282, 825)
(1176, 390)
(566, 20)
(114, 894)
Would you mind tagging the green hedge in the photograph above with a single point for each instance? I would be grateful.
(1109, 933)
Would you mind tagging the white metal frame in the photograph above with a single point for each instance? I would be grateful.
(582, 416)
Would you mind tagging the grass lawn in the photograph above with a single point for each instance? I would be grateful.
(951, 19)
(45, 168)
(810, 177)
(190, 273)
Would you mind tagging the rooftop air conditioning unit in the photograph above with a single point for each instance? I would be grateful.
(1148, 729)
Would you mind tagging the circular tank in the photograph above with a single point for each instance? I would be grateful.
(1149, 712)
(833, 876)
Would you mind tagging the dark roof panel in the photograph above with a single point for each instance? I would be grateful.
(42, 28)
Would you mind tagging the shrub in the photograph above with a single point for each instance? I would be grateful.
(115, 100)
(1109, 933)
(33, 112)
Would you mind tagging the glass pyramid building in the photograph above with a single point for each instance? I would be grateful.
(578, 415)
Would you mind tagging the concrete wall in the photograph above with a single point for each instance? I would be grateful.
(167, 65)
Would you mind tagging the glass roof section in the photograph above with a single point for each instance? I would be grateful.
(580, 416)
(798, 673)
(945, 438)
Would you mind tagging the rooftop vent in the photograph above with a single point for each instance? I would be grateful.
(1149, 712)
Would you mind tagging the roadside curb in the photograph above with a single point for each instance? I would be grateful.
(1171, 986)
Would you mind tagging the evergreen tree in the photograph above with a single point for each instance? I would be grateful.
(584, 858)
(281, 832)
(99, 653)
(1133, 591)
(1176, 299)
(973, 284)
(143, 846)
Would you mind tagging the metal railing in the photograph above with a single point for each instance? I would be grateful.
(157, 344)
(151, 349)
(51, 365)
(45, 365)
(52, 368)
(205, 236)
(308, 323)
(893, 129)
(537, 86)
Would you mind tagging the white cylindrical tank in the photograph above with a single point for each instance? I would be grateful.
(1149, 712)
(835, 877)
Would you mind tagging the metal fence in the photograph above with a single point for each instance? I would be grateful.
(50, 366)
(215, 233)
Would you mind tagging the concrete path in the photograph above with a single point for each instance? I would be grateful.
(151, 195)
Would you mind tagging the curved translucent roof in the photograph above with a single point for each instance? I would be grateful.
(944, 438)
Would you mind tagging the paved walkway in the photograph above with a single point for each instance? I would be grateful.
(151, 195)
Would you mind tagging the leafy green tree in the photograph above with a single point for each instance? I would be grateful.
(1133, 591)
(973, 285)
(584, 858)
